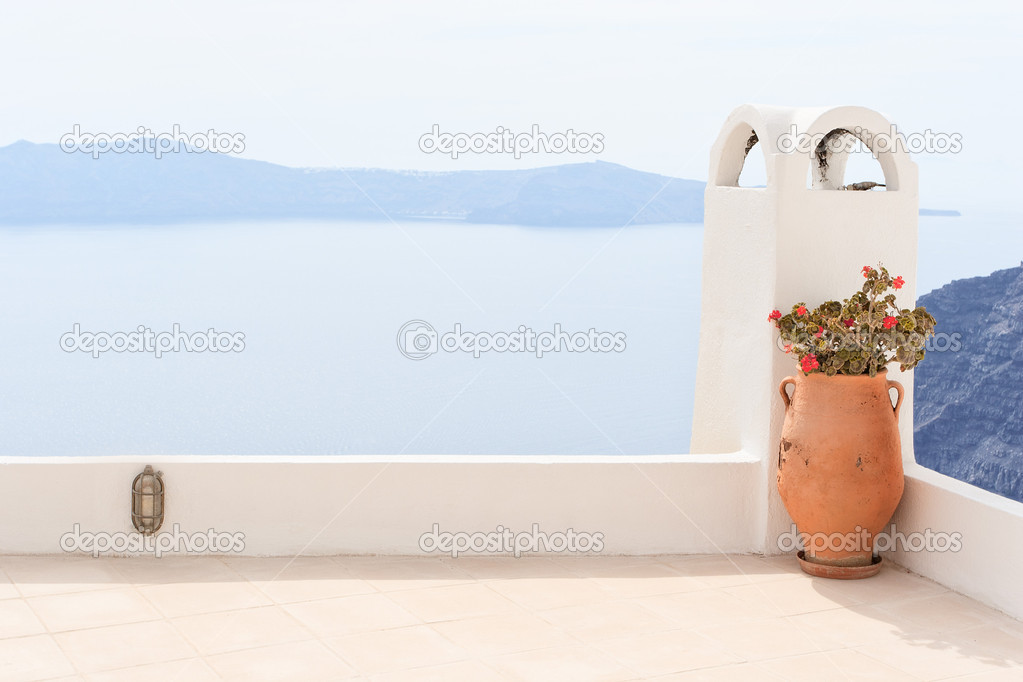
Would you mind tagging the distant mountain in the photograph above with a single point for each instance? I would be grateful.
(940, 212)
(40, 183)
(969, 404)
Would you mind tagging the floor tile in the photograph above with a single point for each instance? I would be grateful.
(849, 627)
(762, 639)
(508, 568)
(792, 597)
(305, 661)
(1010, 674)
(383, 651)
(453, 602)
(930, 659)
(190, 670)
(39, 575)
(389, 575)
(149, 570)
(939, 613)
(564, 664)
(645, 580)
(550, 593)
(1002, 640)
(667, 652)
(591, 566)
(123, 646)
(191, 598)
(350, 615)
(18, 620)
(893, 583)
(596, 622)
(741, 672)
(836, 665)
(730, 570)
(7, 588)
(216, 633)
(503, 634)
(82, 610)
(471, 671)
(286, 580)
(701, 609)
(32, 658)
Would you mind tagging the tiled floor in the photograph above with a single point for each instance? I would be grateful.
(477, 619)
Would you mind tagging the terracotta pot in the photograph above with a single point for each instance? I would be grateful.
(840, 466)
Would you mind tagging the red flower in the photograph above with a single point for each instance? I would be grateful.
(775, 315)
(890, 322)
(809, 363)
(866, 270)
(898, 282)
(851, 322)
(820, 331)
(801, 310)
(787, 347)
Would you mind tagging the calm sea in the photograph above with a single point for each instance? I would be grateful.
(320, 306)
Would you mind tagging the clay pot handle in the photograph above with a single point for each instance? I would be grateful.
(792, 380)
(898, 403)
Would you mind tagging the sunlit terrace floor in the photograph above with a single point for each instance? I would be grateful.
(597, 618)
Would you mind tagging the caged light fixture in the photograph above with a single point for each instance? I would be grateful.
(147, 501)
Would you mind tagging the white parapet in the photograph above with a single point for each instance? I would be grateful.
(383, 505)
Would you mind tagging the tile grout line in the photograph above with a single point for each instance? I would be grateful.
(170, 623)
(564, 632)
(51, 635)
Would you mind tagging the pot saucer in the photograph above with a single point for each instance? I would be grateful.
(839, 572)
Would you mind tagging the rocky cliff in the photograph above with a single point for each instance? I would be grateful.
(969, 398)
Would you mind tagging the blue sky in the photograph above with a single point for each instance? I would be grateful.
(357, 83)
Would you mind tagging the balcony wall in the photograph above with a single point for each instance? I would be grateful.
(377, 505)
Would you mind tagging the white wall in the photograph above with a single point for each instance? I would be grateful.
(992, 537)
(331, 505)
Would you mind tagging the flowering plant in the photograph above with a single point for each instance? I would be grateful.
(860, 335)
